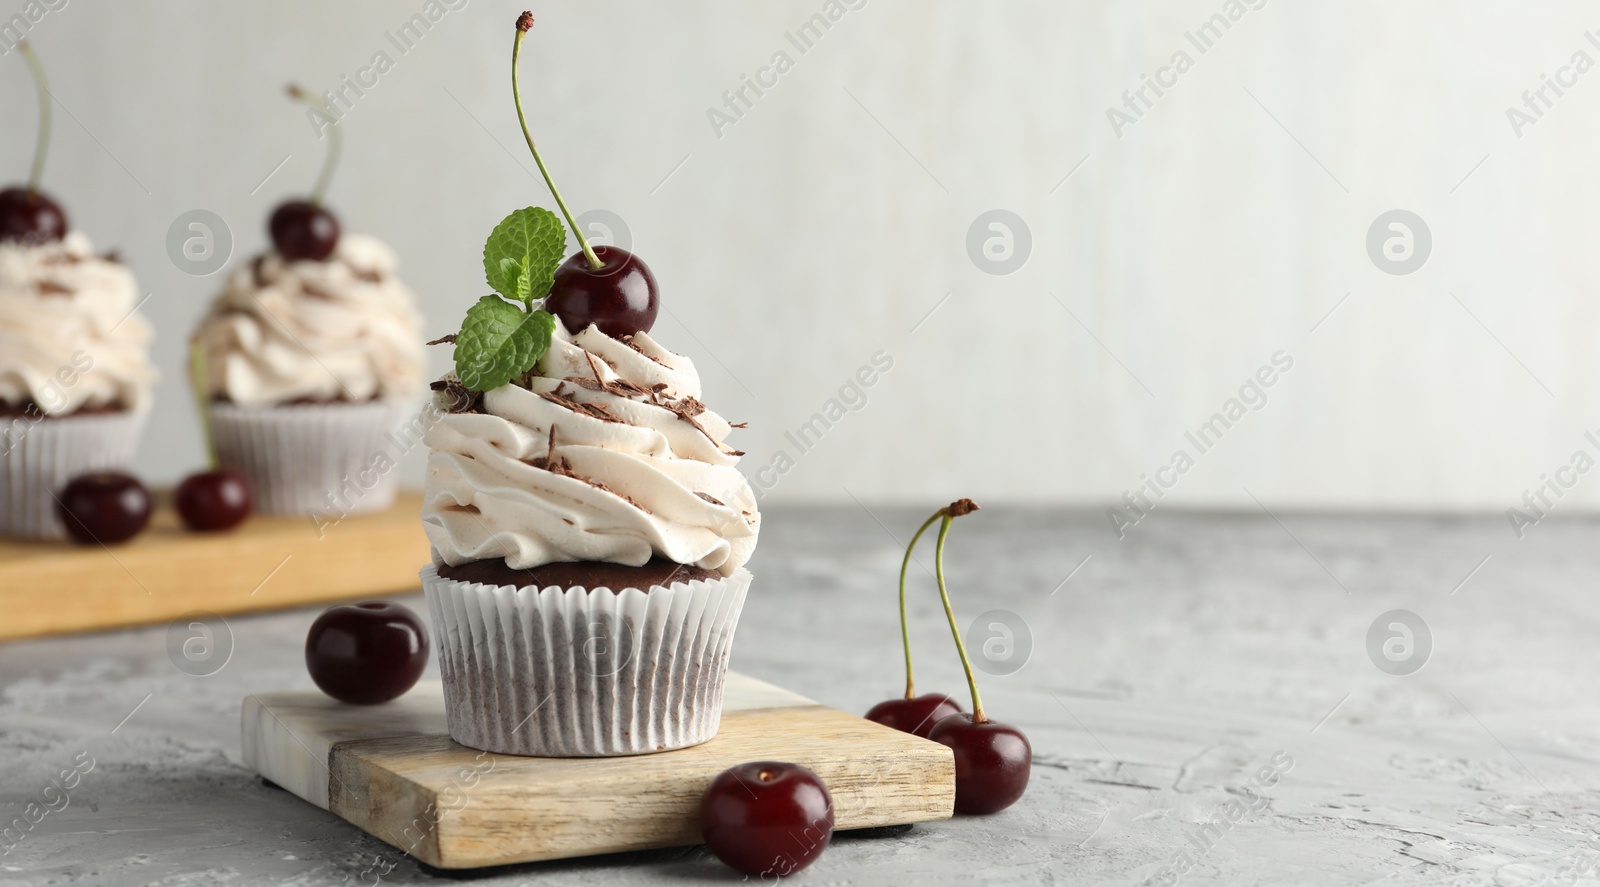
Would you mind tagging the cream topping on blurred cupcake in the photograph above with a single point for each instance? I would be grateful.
(606, 455)
(345, 329)
(70, 337)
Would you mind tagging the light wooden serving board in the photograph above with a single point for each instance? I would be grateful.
(393, 771)
(166, 571)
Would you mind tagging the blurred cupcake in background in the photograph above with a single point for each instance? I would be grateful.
(309, 359)
(75, 371)
(308, 365)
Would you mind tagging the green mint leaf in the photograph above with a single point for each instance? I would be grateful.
(500, 341)
(522, 253)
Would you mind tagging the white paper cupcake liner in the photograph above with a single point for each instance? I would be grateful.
(331, 460)
(42, 456)
(557, 672)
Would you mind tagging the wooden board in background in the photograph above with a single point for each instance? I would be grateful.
(393, 771)
(57, 587)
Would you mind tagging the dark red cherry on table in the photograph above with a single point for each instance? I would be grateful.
(302, 230)
(104, 507)
(993, 762)
(213, 500)
(621, 298)
(366, 653)
(915, 715)
(767, 818)
(30, 217)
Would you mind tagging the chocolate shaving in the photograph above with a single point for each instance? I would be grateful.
(712, 499)
(738, 424)
(63, 259)
(559, 465)
(112, 256)
(51, 288)
(620, 387)
(592, 410)
(461, 398)
(367, 275)
(444, 340)
(628, 341)
(551, 462)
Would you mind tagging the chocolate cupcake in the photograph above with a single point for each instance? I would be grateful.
(589, 529)
(309, 366)
(75, 374)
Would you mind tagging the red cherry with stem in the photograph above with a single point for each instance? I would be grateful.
(366, 653)
(916, 714)
(912, 713)
(302, 230)
(620, 297)
(213, 500)
(105, 507)
(767, 818)
(28, 215)
(606, 285)
(993, 760)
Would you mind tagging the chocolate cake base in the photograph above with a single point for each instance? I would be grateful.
(577, 574)
(32, 409)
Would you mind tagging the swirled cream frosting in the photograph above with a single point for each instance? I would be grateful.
(344, 329)
(70, 335)
(603, 453)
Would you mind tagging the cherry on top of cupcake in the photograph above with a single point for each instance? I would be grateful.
(27, 214)
(505, 335)
(303, 229)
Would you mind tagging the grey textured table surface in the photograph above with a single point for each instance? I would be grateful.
(1165, 674)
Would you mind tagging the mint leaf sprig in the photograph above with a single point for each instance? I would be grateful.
(504, 335)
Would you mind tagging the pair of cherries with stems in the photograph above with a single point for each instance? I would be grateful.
(992, 760)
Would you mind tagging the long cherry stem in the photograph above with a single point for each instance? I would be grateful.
(41, 147)
(978, 716)
(330, 160)
(524, 22)
(905, 631)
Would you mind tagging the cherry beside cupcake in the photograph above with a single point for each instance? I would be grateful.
(588, 522)
(75, 371)
(308, 359)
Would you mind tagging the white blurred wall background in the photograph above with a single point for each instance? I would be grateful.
(824, 226)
